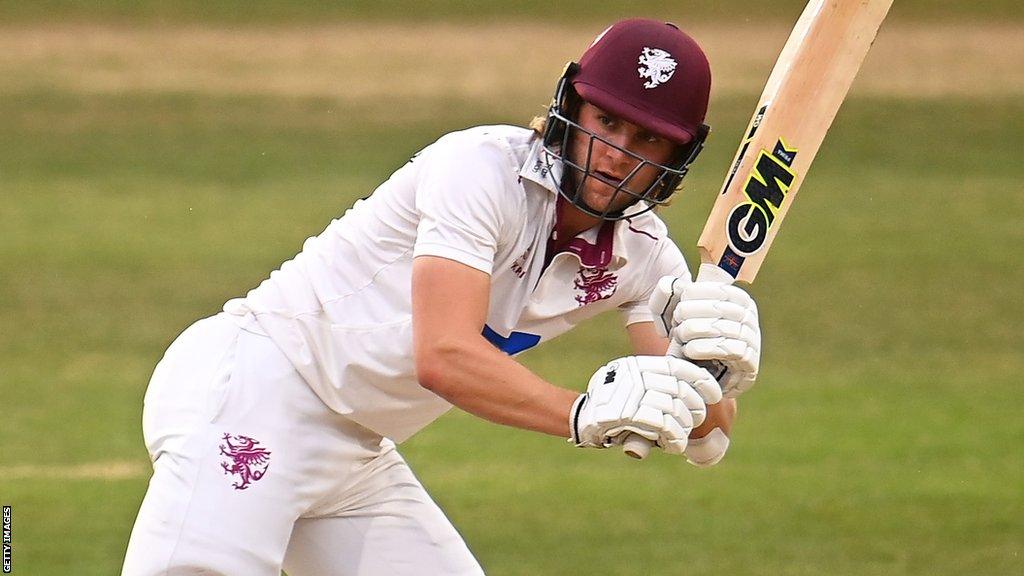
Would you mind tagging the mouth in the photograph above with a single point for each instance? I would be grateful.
(607, 178)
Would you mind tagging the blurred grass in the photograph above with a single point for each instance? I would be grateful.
(884, 437)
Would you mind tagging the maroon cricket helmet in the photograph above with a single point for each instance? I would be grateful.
(649, 73)
(645, 72)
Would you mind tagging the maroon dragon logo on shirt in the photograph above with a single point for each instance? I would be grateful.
(596, 284)
(248, 460)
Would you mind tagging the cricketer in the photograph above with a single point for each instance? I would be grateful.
(273, 425)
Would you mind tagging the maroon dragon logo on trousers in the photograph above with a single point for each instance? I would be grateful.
(248, 460)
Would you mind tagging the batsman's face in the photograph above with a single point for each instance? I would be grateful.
(610, 163)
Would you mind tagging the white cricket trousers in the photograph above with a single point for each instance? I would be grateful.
(252, 473)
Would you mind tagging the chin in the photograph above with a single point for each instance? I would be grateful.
(600, 200)
(598, 204)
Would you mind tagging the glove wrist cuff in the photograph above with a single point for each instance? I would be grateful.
(709, 450)
(574, 419)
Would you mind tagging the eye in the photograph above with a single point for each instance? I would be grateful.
(652, 139)
(605, 120)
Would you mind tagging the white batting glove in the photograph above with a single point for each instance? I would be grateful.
(658, 397)
(663, 303)
(716, 321)
(711, 322)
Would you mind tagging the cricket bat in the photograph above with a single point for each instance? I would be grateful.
(799, 102)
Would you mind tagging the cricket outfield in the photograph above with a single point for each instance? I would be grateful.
(151, 168)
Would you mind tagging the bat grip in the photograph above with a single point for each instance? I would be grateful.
(635, 445)
(712, 273)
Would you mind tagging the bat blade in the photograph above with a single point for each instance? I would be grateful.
(801, 98)
(799, 102)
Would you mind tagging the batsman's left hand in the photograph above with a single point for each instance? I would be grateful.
(712, 321)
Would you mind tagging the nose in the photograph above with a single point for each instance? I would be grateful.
(613, 156)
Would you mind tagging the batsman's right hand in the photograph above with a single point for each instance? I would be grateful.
(658, 397)
(712, 323)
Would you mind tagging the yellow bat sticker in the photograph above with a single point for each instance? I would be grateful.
(765, 189)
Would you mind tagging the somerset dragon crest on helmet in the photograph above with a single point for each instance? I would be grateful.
(657, 66)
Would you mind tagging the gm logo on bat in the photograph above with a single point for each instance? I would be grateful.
(765, 188)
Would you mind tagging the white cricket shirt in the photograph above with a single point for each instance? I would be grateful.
(341, 310)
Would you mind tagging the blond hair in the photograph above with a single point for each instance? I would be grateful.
(538, 124)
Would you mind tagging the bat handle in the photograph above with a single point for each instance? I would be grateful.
(712, 273)
(635, 445)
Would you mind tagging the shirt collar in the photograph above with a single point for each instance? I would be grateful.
(600, 246)
(541, 168)
(595, 247)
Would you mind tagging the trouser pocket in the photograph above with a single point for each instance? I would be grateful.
(190, 383)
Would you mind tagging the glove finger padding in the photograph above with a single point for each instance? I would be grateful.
(674, 447)
(617, 436)
(681, 402)
(696, 327)
(691, 403)
(694, 388)
(718, 292)
(736, 353)
(659, 382)
(740, 359)
(714, 309)
(670, 408)
(691, 376)
(732, 387)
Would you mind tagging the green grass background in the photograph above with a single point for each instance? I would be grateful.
(884, 437)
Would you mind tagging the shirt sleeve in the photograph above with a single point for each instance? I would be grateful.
(465, 200)
(667, 261)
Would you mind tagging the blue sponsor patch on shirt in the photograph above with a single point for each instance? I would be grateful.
(515, 343)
